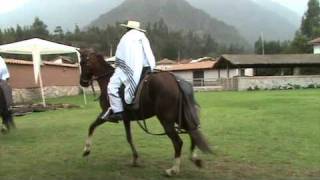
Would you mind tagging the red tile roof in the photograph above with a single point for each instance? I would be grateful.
(189, 66)
(15, 61)
(23, 62)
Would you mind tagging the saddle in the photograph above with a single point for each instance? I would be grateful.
(135, 105)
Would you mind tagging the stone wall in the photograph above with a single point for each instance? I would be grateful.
(276, 82)
(29, 94)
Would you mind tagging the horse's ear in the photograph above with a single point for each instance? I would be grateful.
(87, 50)
(99, 56)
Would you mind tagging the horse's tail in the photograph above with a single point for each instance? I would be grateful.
(190, 115)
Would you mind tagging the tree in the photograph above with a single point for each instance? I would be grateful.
(39, 29)
(58, 33)
(300, 44)
(270, 47)
(1, 36)
(310, 29)
(210, 46)
(19, 33)
(311, 20)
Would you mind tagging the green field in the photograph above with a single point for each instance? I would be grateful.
(255, 135)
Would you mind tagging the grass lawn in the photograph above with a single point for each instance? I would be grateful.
(255, 135)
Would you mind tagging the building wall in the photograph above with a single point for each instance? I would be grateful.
(276, 82)
(57, 81)
(21, 75)
(187, 75)
(211, 74)
(316, 49)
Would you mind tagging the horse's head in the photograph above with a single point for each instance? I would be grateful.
(93, 66)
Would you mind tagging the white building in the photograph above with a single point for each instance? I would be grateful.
(316, 45)
(202, 73)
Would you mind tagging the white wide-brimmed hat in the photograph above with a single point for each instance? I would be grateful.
(133, 25)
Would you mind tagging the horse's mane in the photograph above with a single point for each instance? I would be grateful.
(103, 63)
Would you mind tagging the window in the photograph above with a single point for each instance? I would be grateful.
(198, 78)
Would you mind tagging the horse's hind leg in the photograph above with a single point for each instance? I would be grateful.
(10, 120)
(177, 143)
(193, 154)
(127, 126)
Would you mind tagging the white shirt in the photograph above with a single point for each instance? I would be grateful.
(133, 53)
(4, 73)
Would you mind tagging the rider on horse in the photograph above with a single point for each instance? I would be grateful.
(5, 88)
(4, 77)
(133, 56)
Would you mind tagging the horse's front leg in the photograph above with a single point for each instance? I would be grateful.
(127, 126)
(96, 123)
(5, 127)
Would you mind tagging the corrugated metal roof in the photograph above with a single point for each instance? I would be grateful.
(315, 41)
(166, 61)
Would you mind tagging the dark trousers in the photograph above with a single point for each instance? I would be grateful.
(7, 93)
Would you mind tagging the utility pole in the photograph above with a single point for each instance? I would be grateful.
(110, 50)
(262, 43)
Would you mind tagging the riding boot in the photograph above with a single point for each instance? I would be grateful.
(109, 116)
(116, 117)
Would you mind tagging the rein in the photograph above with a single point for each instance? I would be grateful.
(95, 78)
(178, 128)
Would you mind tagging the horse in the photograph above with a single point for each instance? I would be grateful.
(5, 113)
(160, 96)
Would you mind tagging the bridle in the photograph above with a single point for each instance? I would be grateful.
(89, 80)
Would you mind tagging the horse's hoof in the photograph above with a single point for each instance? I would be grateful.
(135, 164)
(198, 163)
(86, 153)
(4, 131)
(171, 172)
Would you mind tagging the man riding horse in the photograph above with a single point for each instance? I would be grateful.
(161, 94)
(133, 57)
(5, 97)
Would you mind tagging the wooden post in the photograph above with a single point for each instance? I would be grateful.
(42, 90)
(228, 71)
(83, 91)
(296, 71)
(282, 72)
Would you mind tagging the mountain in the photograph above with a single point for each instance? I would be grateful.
(57, 13)
(249, 17)
(253, 17)
(177, 14)
(282, 11)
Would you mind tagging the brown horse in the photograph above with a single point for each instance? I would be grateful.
(161, 96)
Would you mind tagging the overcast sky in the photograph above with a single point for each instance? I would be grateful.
(298, 6)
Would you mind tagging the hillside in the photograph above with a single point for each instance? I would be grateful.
(177, 14)
(252, 18)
